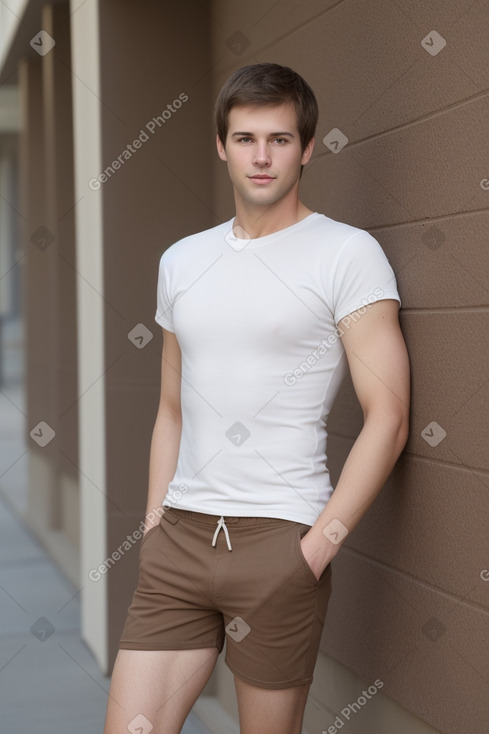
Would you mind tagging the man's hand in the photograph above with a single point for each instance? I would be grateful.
(316, 552)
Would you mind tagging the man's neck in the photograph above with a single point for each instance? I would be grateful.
(261, 221)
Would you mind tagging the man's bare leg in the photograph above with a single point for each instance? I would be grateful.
(263, 711)
(159, 685)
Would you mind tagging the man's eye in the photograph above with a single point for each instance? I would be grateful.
(243, 140)
(281, 140)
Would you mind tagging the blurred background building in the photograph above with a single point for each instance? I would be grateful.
(106, 158)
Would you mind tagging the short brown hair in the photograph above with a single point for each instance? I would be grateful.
(268, 84)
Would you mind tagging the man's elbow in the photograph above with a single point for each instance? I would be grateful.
(393, 421)
(400, 429)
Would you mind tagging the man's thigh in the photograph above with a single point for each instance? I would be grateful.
(154, 690)
(263, 711)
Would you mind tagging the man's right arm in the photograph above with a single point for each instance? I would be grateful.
(167, 431)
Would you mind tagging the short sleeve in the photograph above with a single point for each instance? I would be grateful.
(164, 301)
(362, 275)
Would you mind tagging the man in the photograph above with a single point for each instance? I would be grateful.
(261, 317)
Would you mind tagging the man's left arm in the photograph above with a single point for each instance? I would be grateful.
(379, 367)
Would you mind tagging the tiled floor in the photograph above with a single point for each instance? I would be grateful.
(50, 682)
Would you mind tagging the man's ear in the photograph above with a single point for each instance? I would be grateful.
(220, 149)
(306, 155)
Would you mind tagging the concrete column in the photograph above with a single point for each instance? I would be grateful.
(90, 322)
(48, 239)
(37, 257)
(61, 288)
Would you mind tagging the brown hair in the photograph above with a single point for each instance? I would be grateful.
(268, 84)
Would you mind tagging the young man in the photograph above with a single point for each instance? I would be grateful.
(261, 317)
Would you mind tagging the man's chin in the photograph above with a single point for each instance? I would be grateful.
(263, 198)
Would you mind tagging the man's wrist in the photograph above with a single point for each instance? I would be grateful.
(317, 550)
(326, 547)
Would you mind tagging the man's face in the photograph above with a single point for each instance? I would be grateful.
(263, 152)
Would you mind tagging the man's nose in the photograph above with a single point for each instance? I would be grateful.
(262, 155)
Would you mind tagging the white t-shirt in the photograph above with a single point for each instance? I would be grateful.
(262, 360)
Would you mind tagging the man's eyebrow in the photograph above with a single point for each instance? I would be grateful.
(272, 135)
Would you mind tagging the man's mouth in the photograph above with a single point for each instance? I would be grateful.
(261, 177)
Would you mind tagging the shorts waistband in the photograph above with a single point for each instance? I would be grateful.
(219, 522)
(204, 517)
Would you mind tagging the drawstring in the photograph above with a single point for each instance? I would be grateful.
(222, 524)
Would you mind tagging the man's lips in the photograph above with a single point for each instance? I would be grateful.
(262, 178)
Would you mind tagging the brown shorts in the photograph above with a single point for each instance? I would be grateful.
(262, 596)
